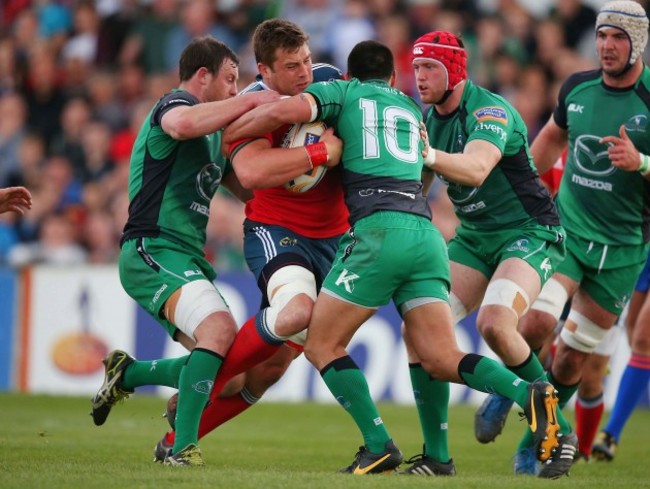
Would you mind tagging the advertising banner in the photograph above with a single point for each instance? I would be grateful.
(78, 315)
(8, 319)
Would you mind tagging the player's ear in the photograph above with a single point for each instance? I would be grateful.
(263, 70)
(347, 76)
(393, 79)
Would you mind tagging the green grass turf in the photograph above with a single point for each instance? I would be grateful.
(51, 442)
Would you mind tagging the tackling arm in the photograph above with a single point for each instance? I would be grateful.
(260, 165)
(187, 122)
(472, 166)
(267, 118)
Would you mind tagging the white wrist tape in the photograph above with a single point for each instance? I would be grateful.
(430, 160)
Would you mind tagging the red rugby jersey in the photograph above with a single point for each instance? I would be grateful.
(317, 213)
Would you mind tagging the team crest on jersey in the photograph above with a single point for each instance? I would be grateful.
(637, 123)
(491, 114)
(519, 245)
(591, 156)
(208, 180)
(460, 194)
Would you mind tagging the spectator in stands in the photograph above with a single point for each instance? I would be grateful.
(13, 127)
(198, 18)
(56, 245)
(147, 42)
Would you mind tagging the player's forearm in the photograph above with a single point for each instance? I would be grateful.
(203, 119)
(466, 169)
(256, 122)
(270, 168)
(547, 147)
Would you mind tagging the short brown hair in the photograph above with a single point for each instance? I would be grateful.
(205, 52)
(276, 33)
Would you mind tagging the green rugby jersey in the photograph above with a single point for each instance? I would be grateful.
(171, 182)
(512, 195)
(597, 201)
(382, 150)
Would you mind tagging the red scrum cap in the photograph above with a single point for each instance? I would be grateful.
(446, 49)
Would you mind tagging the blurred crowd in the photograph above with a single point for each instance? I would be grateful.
(77, 78)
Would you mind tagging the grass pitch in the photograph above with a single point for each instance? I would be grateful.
(51, 442)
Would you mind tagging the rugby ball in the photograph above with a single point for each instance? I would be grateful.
(297, 136)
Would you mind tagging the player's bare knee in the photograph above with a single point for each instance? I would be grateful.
(233, 386)
(491, 332)
(295, 316)
(438, 368)
(590, 387)
(318, 355)
(202, 314)
(261, 380)
(216, 333)
(272, 375)
(567, 366)
(536, 326)
(264, 375)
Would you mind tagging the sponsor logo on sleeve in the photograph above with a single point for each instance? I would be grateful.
(576, 108)
(492, 114)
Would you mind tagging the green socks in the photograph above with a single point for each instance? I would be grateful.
(350, 388)
(432, 401)
(486, 375)
(194, 387)
(154, 372)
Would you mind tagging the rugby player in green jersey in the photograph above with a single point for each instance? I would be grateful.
(603, 199)
(509, 239)
(391, 252)
(176, 168)
(290, 238)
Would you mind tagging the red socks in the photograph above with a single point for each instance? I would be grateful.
(588, 416)
(220, 411)
(216, 414)
(247, 350)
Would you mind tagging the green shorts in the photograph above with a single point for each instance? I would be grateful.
(607, 273)
(390, 255)
(152, 269)
(542, 247)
